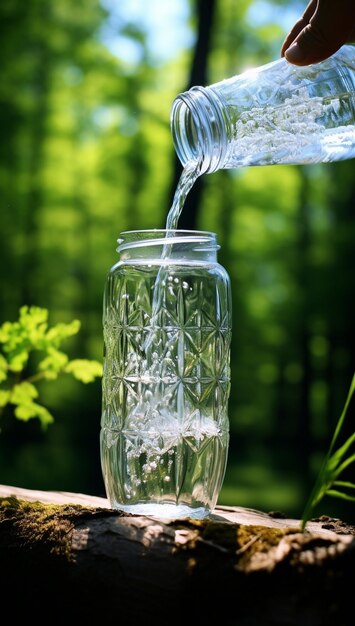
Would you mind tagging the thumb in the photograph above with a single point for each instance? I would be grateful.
(331, 25)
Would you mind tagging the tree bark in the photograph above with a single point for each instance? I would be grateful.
(241, 567)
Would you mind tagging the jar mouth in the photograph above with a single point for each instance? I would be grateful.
(200, 240)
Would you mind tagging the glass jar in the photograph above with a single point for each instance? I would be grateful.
(166, 378)
(274, 114)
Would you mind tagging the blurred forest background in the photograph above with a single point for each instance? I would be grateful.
(86, 89)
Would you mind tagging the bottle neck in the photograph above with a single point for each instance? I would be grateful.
(161, 245)
(200, 128)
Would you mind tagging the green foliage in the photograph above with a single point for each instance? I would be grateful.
(335, 462)
(87, 152)
(31, 335)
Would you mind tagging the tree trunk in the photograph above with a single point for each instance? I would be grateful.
(73, 554)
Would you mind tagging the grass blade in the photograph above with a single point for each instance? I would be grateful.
(340, 494)
(330, 468)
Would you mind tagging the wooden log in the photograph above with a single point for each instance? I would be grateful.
(240, 567)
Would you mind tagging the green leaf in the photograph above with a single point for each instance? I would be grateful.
(33, 316)
(4, 397)
(343, 414)
(58, 333)
(340, 494)
(84, 370)
(344, 465)
(23, 393)
(30, 410)
(344, 483)
(53, 363)
(33, 321)
(338, 455)
(25, 334)
(3, 368)
(5, 332)
(17, 361)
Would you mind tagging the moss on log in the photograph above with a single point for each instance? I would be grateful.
(93, 562)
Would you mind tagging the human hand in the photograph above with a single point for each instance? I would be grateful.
(324, 27)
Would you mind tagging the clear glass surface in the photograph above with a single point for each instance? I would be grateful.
(166, 381)
(274, 114)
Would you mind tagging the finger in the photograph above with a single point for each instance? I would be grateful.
(329, 28)
(299, 26)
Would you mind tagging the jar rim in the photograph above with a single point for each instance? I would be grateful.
(182, 231)
(162, 236)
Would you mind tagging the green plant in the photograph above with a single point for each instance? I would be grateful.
(334, 463)
(30, 337)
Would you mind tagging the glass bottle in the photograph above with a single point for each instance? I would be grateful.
(166, 379)
(274, 114)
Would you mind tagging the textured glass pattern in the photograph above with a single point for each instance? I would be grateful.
(165, 432)
(277, 113)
